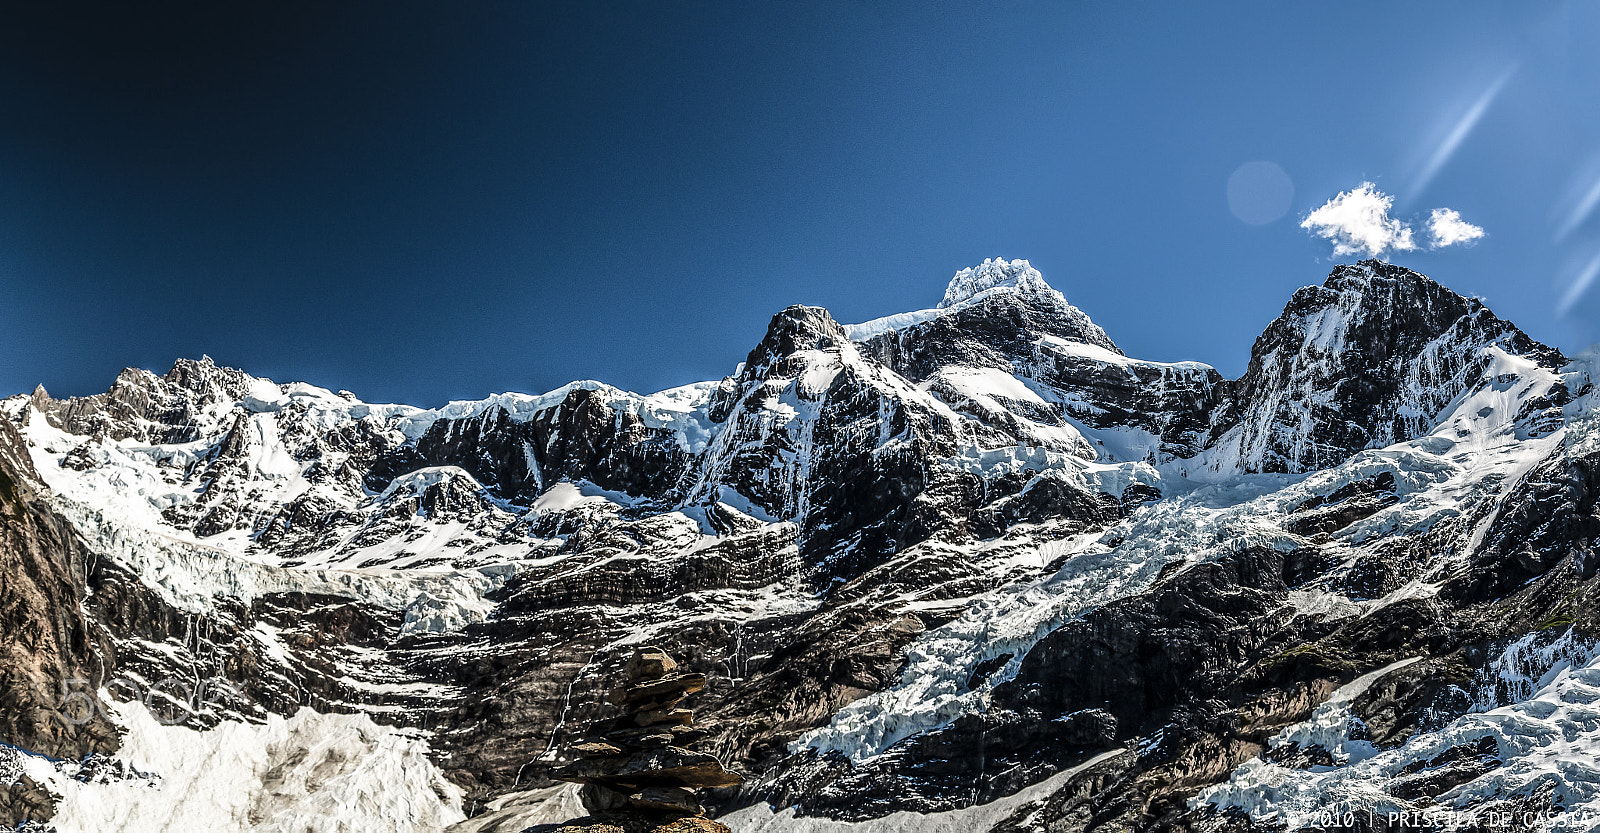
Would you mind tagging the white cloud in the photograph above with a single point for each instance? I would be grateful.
(1446, 228)
(1358, 221)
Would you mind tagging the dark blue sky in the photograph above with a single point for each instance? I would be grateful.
(421, 202)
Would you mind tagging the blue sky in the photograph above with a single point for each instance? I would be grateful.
(419, 202)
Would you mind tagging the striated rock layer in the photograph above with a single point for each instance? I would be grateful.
(634, 768)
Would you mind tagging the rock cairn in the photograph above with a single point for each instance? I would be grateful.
(633, 764)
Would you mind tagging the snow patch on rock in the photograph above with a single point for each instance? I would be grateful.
(1329, 726)
(192, 576)
(520, 810)
(418, 482)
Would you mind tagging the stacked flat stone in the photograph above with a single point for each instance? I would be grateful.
(633, 762)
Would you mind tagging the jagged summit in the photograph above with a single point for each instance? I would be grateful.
(1374, 283)
(1001, 294)
(993, 273)
(1366, 272)
(1367, 359)
(1370, 269)
(793, 331)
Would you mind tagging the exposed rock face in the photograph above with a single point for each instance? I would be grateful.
(580, 437)
(45, 645)
(844, 459)
(43, 640)
(1173, 403)
(1034, 333)
(982, 327)
(1344, 506)
(686, 825)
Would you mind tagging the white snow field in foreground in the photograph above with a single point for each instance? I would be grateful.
(310, 773)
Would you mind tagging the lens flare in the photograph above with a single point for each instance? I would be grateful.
(1580, 285)
(1458, 134)
(1259, 192)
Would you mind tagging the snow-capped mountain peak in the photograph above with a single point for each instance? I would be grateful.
(1003, 304)
(1367, 359)
(993, 273)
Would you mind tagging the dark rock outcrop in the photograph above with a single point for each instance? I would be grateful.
(580, 437)
(1344, 506)
(51, 661)
(44, 641)
(632, 768)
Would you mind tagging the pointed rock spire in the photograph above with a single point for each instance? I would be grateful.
(990, 274)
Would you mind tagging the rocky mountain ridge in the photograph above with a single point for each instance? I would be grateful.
(935, 562)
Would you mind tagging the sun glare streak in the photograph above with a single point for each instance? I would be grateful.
(1575, 292)
(1580, 212)
(1458, 134)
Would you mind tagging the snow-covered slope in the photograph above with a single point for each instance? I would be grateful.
(994, 279)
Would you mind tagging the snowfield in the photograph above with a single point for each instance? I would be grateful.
(309, 773)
